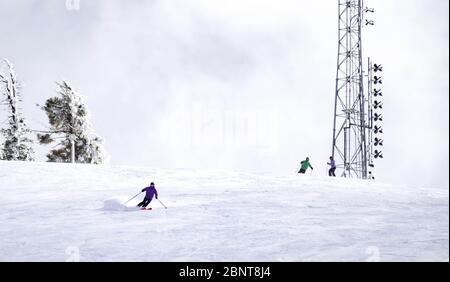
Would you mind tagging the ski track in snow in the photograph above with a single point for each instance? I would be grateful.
(52, 211)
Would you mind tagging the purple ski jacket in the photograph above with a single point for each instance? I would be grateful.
(332, 163)
(150, 191)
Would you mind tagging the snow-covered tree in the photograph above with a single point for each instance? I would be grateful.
(16, 145)
(69, 122)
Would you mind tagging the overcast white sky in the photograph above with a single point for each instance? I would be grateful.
(244, 85)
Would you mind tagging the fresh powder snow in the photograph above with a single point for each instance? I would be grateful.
(75, 212)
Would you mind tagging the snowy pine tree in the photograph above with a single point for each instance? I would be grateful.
(16, 146)
(69, 121)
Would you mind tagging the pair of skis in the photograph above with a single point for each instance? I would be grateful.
(149, 209)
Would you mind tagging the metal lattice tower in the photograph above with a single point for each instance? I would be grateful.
(352, 113)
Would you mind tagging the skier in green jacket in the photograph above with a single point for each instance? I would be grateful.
(305, 164)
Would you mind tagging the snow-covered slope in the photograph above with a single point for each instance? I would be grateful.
(59, 212)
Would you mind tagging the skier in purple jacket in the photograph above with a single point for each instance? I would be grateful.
(332, 163)
(149, 193)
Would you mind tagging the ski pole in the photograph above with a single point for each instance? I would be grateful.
(162, 203)
(133, 197)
